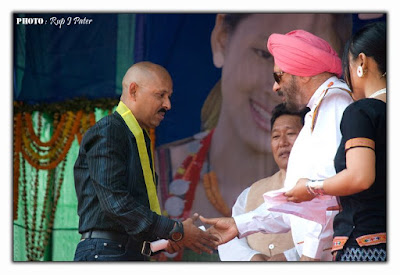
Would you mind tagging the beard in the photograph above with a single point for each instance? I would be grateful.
(293, 98)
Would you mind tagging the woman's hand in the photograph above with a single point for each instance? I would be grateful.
(299, 193)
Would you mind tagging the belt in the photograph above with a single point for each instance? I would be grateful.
(118, 237)
(109, 235)
(146, 249)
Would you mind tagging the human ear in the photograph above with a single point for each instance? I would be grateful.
(133, 87)
(363, 61)
(304, 79)
(218, 41)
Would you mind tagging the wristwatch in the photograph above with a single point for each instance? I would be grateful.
(176, 234)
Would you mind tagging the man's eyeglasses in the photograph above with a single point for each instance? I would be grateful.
(278, 76)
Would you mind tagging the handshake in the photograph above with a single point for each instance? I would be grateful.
(200, 240)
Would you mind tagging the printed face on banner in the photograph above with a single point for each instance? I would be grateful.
(247, 71)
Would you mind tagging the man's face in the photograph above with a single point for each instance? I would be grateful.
(284, 133)
(290, 89)
(153, 101)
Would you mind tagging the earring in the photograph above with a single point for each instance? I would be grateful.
(360, 72)
(218, 59)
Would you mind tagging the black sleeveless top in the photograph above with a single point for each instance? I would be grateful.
(365, 212)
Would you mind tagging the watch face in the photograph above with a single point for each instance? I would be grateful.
(176, 236)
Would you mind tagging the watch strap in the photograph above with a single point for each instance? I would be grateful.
(178, 228)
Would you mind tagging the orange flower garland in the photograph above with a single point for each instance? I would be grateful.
(41, 156)
(36, 139)
(83, 128)
(45, 155)
(50, 156)
(57, 153)
(16, 159)
(92, 119)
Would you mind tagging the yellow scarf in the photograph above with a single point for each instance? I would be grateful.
(149, 176)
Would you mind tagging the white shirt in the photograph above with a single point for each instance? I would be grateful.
(239, 249)
(312, 157)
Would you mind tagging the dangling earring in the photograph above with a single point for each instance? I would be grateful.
(360, 72)
(218, 59)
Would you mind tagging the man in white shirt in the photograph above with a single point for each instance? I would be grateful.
(306, 72)
(285, 127)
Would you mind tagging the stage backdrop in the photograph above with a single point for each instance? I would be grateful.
(76, 62)
(55, 63)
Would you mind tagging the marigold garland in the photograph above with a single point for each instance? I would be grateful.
(92, 119)
(36, 139)
(59, 151)
(16, 159)
(70, 119)
(85, 124)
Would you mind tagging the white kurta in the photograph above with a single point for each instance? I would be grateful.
(312, 157)
(239, 249)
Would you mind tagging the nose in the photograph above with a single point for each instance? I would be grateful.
(167, 104)
(283, 141)
(276, 87)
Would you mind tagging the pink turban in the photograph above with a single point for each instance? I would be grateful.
(303, 54)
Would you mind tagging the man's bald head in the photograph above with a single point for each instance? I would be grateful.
(142, 73)
(146, 91)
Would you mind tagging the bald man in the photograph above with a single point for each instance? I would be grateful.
(115, 181)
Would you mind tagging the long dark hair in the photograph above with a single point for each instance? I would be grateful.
(370, 40)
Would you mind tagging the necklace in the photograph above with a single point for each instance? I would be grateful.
(381, 91)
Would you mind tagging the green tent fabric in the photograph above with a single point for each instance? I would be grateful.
(64, 236)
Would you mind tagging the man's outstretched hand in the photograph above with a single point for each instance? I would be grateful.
(224, 229)
(194, 238)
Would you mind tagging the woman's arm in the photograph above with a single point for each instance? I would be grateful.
(358, 176)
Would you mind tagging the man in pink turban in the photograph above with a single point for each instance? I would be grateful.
(304, 54)
(306, 73)
(304, 61)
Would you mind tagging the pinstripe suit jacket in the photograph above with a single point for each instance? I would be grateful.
(110, 185)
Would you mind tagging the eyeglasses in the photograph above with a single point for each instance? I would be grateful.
(278, 76)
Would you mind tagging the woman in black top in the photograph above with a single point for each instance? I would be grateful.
(360, 162)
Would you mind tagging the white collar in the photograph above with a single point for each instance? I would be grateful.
(319, 93)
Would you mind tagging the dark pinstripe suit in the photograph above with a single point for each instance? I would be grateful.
(110, 185)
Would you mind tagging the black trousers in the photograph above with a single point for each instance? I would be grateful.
(108, 250)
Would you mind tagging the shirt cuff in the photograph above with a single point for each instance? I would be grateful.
(243, 224)
(312, 247)
(291, 254)
(236, 250)
(261, 220)
(163, 226)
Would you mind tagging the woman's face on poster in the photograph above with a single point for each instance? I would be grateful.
(247, 73)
